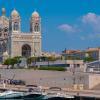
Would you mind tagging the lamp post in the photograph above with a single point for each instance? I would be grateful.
(74, 79)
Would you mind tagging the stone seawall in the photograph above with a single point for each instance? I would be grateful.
(36, 77)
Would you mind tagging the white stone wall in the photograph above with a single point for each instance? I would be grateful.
(94, 79)
(18, 42)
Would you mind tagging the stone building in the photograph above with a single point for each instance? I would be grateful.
(14, 41)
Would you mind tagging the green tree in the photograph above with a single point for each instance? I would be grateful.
(12, 61)
(88, 59)
(7, 61)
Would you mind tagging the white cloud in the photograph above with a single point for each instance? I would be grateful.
(90, 26)
(67, 28)
(87, 28)
(91, 18)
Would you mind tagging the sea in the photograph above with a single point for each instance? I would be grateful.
(54, 98)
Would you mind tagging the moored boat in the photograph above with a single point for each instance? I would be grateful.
(58, 95)
(11, 94)
(20, 95)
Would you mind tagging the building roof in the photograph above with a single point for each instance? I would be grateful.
(35, 14)
(14, 13)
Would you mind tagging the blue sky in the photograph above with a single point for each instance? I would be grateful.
(70, 24)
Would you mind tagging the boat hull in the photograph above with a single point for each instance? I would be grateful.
(30, 96)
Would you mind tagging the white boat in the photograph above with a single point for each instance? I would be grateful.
(64, 95)
(20, 95)
(11, 94)
(61, 95)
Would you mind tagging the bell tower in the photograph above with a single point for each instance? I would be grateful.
(14, 22)
(35, 28)
(35, 23)
(14, 30)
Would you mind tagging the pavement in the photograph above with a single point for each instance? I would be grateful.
(45, 78)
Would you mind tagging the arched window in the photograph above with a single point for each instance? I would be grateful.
(16, 26)
(4, 45)
(36, 27)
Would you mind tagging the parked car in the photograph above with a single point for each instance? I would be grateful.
(17, 82)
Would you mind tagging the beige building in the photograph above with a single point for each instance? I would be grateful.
(16, 42)
(90, 52)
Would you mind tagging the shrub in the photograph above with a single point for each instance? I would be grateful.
(52, 68)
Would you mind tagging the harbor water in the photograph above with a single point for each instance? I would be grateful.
(53, 98)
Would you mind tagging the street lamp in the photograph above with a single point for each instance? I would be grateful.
(74, 79)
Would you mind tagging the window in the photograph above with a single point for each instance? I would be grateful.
(36, 27)
(68, 65)
(4, 45)
(6, 29)
(16, 26)
(0, 32)
(78, 65)
(0, 29)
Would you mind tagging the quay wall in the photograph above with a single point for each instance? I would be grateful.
(61, 79)
(94, 80)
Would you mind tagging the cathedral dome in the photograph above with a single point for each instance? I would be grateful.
(35, 14)
(14, 13)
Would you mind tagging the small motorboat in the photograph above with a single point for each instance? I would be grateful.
(57, 95)
(11, 94)
(35, 94)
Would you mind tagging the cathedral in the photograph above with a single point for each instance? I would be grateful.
(16, 43)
